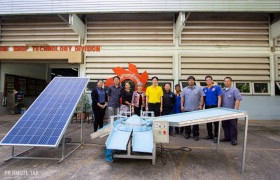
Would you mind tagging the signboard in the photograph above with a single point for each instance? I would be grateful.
(84, 48)
(129, 74)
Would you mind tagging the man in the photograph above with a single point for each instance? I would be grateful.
(168, 101)
(114, 95)
(213, 98)
(154, 95)
(177, 106)
(231, 99)
(192, 99)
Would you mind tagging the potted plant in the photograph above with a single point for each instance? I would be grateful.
(83, 107)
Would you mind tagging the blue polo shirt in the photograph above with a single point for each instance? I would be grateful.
(177, 105)
(211, 95)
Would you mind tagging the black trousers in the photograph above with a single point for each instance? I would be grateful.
(155, 107)
(179, 130)
(137, 110)
(98, 117)
(195, 130)
(210, 126)
(230, 129)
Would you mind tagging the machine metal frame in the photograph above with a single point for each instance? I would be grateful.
(129, 155)
(240, 114)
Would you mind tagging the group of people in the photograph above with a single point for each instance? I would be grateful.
(162, 101)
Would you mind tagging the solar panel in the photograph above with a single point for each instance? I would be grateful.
(46, 120)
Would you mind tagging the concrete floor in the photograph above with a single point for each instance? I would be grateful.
(203, 162)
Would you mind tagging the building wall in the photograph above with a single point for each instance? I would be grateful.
(261, 107)
(236, 45)
(219, 44)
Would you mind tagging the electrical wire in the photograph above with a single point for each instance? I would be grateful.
(171, 150)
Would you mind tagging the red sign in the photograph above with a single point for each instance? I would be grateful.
(51, 48)
(130, 74)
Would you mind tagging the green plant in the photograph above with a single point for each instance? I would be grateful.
(83, 104)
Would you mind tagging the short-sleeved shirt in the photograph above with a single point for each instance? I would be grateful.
(115, 95)
(191, 96)
(230, 96)
(212, 94)
(154, 94)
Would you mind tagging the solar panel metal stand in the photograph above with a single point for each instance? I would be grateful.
(59, 159)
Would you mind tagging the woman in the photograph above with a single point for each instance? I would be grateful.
(138, 100)
(126, 95)
(99, 103)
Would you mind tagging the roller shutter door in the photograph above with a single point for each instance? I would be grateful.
(238, 67)
(130, 29)
(36, 30)
(226, 29)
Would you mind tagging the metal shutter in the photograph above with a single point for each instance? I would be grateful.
(130, 29)
(226, 29)
(100, 67)
(238, 67)
(278, 68)
(46, 30)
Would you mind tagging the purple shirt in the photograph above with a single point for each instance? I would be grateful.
(191, 96)
(115, 96)
(230, 96)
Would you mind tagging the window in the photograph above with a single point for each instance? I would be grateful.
(201, 83)
(221, 83)
(183, 84)
(261, 88)
(244, 87)
(90, 86)
(198, 83)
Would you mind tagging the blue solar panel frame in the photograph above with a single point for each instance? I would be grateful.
(55, 110)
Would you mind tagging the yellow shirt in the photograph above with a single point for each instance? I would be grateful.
(154, 94)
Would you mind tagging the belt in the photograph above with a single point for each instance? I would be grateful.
(154, 103)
